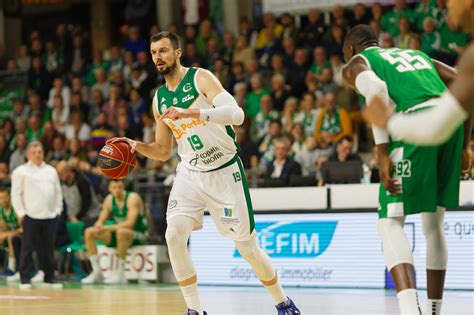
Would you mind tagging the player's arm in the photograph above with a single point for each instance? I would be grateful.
(162, 148)
(105, 212)
(225, 109)
(447, 73)
(358, 75)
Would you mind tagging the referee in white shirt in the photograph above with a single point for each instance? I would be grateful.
(37, 199)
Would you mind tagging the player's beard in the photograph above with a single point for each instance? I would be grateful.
(168, 69)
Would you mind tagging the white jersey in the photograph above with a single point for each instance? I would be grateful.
(202, 146)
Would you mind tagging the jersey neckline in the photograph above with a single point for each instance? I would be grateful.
(180, 82)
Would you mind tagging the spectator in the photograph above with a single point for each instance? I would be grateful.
(360, 15)
(327, 84)
(124, 129)
(10, 228)
(221, 72)
(237, 75)
(298, 139)
(20, 111)
(37, 109)
(205, 33)
(402, 40)
(343, 151)
(311, 34)
(20, 128)
(79, 195)
(191, 57)
(60, 114)
(97, 63)
(4, 173)
(289, 49)
(79, 55)
(77, 129)
(34, 131)
(389, 22)
(423, 10)
(148, 131)
(62, 90)
(252, 100)
(4, 150)
(336, 66)
(116, 61)
(265, 116)
(308, 114)
(278, 66)
(415, 42)
(189, 34)
(58, 151)
(18, 157)
(283, 166)
(240, 94)
(48, 136)
(8, 130)
(279, 93)
(265, 145)
(212, 53)
(311, 155)
(52, 60)
(270, 24)
(228, 48)
(387, 41)
(39, 78)
(129, 64)
(134, 43)
(336, 41)
(77, 104)
(375, 25)
(453, 42)
(101, 81)
(38, 201)
(23, 60)
(95, 104)
(289, 29)
(333, 123)
(297, 73)
(136, 108)
(319, 62)
(110, 107)
(272, 46)
(290, 114)
(78, 87)
(101, 131)
(430, 39)
(246, 30)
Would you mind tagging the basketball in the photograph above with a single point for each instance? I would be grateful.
(116, 161)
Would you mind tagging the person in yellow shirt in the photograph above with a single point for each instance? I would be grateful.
(333, 123)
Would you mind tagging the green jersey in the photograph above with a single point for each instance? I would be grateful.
(410, 75)
(202, 145)
(119, 214)
(9, 218)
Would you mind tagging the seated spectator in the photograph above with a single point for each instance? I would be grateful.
(252, 101)
(289, 29)
(343, 151)
(60, 114)
(389, 22)
(129, 64)
(313, 153)
(96, 103)
(336, 40)
(124, 129)
(243, 52)
(20, 128)
(111, 106)
(360, 15)
(422, 11)
(298, 139)
(453, 42)
(375, 25)
(270, 24)
(78, 87)
(98, 62)
(240, 94)
(237, 75)
(77, 129)
(271, 47)
(336, 65)
(247, 147)
(430, 38)
(134, 43)
(79, 195)
(101, 81)
(297, 72)
(212, 53)
(59, 88)
(319, 62)
(48, 136)
(4, 150)
(115, 60)
(53, 61)
(75, 153)
(220, 71)
(283, 166)
(39, 79)
(326, 81)
(290, 114)
(227, 50)
(279, 91)
(402, 40)
(148, 124)
(136, 108)
(312, 33)
(8, 130)
(58, 151)
(101, 131)
(333, 123)
(11, 227)
(77, 104)
(4, 173)
(18, 157)
(129, 228)
(205, 33)
(308, 114)
(19, 110)
(289, 49)
(191, 57)
(264, 151)
(36, 108)
(24, 59)
(34, 131)
(265, 116)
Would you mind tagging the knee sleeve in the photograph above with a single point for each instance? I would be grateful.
(177, 235)
(436, 247)
(396, 248)
(256, 257)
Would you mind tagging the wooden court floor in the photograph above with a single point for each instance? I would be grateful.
(152, 299)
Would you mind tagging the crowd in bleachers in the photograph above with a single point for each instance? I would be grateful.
(285, 76)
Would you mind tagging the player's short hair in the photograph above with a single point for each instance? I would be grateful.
(174, 39)
(361, 35)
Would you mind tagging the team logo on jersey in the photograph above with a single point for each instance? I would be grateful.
(187, 87)
(175, 101)
(187, 98)
(163, 99)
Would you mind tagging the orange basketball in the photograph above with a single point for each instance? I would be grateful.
(116, 161)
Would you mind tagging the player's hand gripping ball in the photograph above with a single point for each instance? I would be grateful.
(116, 160)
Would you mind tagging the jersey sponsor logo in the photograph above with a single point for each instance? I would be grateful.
(163, 108)
(175, 101)
(172, 204)
(228, 219)
(187, 87)
(228, 212)
(187, 98)
(303, 239)
(180, 131)
(194, 160)
(211, 155)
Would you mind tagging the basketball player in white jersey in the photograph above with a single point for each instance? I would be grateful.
(194, 109)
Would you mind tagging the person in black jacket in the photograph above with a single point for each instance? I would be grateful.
(79, 195)
(283, 166)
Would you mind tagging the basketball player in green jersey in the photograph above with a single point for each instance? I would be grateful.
(10, 226)
(436, 125)
(194, 110)
(130, 228)
(415, 179)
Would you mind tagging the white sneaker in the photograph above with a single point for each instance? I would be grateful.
(93, 277)
(25, 286)
(15, 277)
(38, 278)
(117, 278)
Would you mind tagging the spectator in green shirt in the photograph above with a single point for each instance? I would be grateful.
(423, 10)
(205, 33)
(390, 19)
(452, 40)
(430, 38)
(319, 62)
(252, 101)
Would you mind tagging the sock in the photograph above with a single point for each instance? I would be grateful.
(191, 296)
(276, 292)
(11, 263)
(408, 302)
(434, 307)
(121, 266)
(95, 263)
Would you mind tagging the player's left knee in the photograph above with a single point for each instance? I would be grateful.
(249, 249)
(124, 234)
(433, 224)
